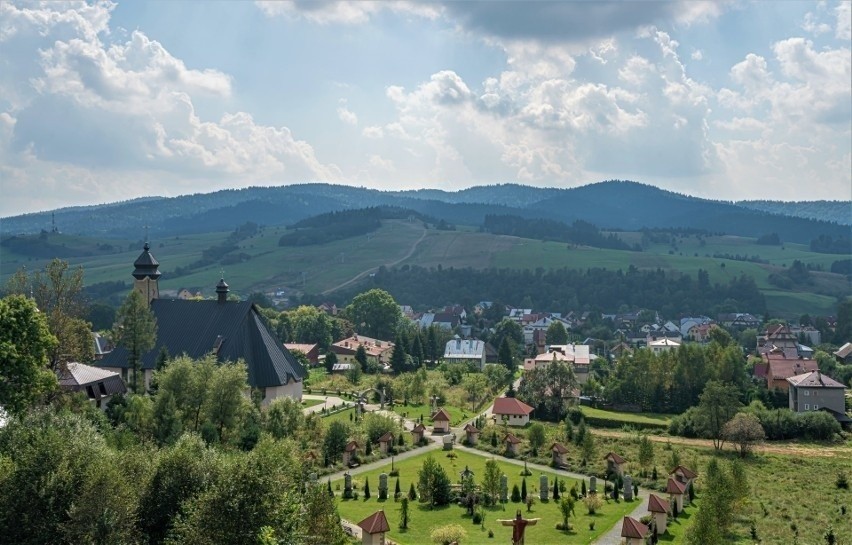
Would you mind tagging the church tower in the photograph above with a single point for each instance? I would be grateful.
(146, 273)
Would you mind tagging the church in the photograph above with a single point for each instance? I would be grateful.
(232, 330)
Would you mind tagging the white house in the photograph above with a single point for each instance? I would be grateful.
(465, 351)
(515, 412)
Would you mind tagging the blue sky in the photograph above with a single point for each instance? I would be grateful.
(103, 101)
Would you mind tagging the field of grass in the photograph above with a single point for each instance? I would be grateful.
(423, 519)
(342, 416)
(414, 412)
(314, 269)
(627, 418)
(311, 402)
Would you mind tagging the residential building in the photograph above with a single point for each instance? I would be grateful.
(378, 351)
(311, 351)
(814, 391)
(230, 330)
(514, 411)
(470, 351)
(844, 353)
(739, 320)
(779, 368)
(777, 336)
(663, 345)
(329, 308)
(99, 384)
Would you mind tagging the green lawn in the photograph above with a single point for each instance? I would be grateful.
(342, 416)
(423, 520)
(628, 418)
(414, 412)
(311, 402)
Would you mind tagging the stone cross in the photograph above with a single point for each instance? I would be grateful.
(519, 527)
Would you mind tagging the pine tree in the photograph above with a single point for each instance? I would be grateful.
(330, 491)
(403, 514)
(417, 351)
(556, 489)
(397, 491)
(412, 492)
(516, 494)
(583, 488)
(506, 357)
(367, 487)
(399, 359)
(524, 489)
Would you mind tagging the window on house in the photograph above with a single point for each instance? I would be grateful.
(102, 388)
(807, 407)
(807, 392)
(91, 392)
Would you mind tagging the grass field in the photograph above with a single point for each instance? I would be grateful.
(423, 519)
(627, 418)
(311, 402)
(414, 412)
(314, 269)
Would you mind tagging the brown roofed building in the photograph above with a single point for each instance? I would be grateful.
(614, 463)
(816, 392)
(634, 532)
(386, 442)
(659, 509)
(516, 412)
(377, 350)
(512, 443)
(844, 353)
(373, 529)
(472, 434)
(441, 421)
(417, 433)
(558, 452)
(350, 453)
(676, 490)
(311, 351)
(780, 368)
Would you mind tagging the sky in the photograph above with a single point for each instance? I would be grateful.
(103, 102)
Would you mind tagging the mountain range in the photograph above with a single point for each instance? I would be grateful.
(611, 205)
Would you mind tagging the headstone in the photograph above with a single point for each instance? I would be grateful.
(383, 484)
(593, 485)
(347, 485)
(504, 488)
(543, 488)
(448, 442)
(628, 488)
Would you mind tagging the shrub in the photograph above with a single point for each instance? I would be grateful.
(818, 425)
(477, 517)
(490, 533)
(841, 481)
(593, 503)
(445, 535)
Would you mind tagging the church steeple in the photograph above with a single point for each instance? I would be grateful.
(147, 272)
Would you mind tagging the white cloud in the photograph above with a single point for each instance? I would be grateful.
(326, 12)
(843, 14)
(813, 25)
(347, 116)
(697, 55)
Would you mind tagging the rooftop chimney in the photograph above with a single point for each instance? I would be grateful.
(222, 291)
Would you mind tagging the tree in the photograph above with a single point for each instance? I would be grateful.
(25, 345)
(399, 359)
(646, 452)
(330, 360)
(397, 491)
(524, 489)
(593, 502)
(508, 329)
(135, 329)
(412, 493)
(418, 352)
(284, 417)
(843, 331)
(566, 507)
(335, 441)
(717, 504)
(744, 431)
(361, 357)
(167, 419)
(403, 514)
(375, 314)
(309, 324)
(475, 386)
(516, 494)
(188, 381)
(367, 486)
(433, 484)
(58, 294)
(491, 482)
(506, 357)
(225, 400)
(718, 403)
(588, 447)
(556, 333)
(496, 376)
(536, 437)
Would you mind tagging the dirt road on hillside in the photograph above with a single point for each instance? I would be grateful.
(786, 448)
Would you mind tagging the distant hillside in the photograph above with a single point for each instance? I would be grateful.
(836, 211)
(614, 205)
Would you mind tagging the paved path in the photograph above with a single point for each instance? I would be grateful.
(330, 401)
(381, 463)
(613, 535)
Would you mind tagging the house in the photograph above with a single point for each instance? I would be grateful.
(620, 349)
(417, 433)
(469, 351)
(350, 454)
(685, 476)
(576, 355)
(491, 355)
(814, 391)
(373, 529)
(456, 310)
(779, 369)
(343, 367)
(471, 434)
(311, 351)
(776, 336)
(700, 333)
(676, 491)
(663, 345)
(634, 532)
(378, 351)
(614, 464)
(99, 384)
(844, 353)
(230, 330)
(738, 320)
(512, 443)
(329, 308)
(189, 293)
(441, 421)
(659, 509)
(558, 452)
(386, 442)
(513, 411)
(813, 335)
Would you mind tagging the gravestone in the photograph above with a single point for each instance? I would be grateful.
(593, 485)
(347, 485)
(383, 485)
(628, 488)
(504, 488)
(448, 441)
(543, 488)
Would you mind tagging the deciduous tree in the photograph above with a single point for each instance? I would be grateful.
(375, 314)
(744, 431)
(135, 330)
(718, 403)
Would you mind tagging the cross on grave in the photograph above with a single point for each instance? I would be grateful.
(519, 526)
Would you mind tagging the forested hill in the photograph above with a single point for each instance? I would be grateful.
(613, 205)
(836, 211)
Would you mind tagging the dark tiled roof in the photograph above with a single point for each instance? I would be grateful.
(634, 529)
(375, 523)
(146, 265)
(195, 328)
(657, 505)
(814, 379)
